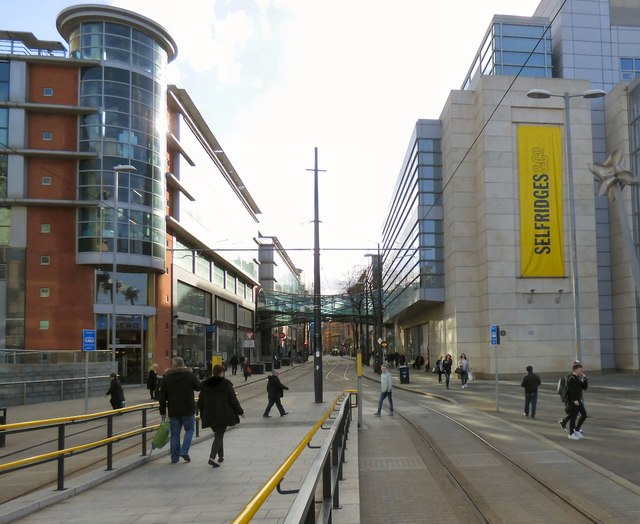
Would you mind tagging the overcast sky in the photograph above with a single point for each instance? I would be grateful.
(276, 78)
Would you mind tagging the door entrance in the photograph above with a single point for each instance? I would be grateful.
(130, 368)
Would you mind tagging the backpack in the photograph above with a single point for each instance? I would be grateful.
(561, 389)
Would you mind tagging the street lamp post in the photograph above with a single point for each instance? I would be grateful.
(591, 93)
(114, 288)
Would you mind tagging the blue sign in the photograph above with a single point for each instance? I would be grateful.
(495, 334)
(211, 328)
(88, 340)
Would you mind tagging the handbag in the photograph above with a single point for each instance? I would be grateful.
(434, 370)
(458, 370)
(162, 436)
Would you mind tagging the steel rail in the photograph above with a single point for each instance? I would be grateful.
(254, 505)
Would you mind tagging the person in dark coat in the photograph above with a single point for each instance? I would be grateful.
(234, 363)
(446, 368)
(275, 391)
(576, 383)
(530, 383)
(219, 409)
(152, 381)
(116, 392)
(178, 384)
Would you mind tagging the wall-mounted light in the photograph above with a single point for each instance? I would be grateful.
(557, 299)
(530, 297)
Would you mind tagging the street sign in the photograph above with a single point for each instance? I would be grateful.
(88, 340)
(494, 330)
(384, 344)
(211, 328)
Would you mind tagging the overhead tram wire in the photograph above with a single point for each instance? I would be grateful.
(475, 140)
(437, 200)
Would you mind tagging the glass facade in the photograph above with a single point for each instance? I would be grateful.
(223, 226)
(412, 241)
(129, 129)
(511, 48)
(629, 68)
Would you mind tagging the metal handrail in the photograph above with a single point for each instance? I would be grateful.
(62, 452)
(253, 506)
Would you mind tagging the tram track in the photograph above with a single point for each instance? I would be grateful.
(484, 501)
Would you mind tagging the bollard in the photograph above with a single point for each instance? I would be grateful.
(3, 421)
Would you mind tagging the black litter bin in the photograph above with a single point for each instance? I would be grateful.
(404, 374)
(277, 364)
(3, 420)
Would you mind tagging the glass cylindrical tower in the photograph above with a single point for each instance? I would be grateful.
(125, 80)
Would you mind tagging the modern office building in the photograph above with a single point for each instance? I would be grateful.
(108, 178)
(495, 196)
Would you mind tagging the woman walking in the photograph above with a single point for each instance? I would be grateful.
(152, 381)
(219, 408)
(446, 368)
(463, 365)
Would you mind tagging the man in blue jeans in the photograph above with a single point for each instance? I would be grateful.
(386, 390)
(178, 384)
(530, 383)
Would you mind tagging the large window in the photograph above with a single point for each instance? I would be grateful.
(131, 288)
(629, 68)
(193, 301)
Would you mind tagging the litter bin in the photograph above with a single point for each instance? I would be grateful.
(276, 364)
(3, 420)
(404, 374)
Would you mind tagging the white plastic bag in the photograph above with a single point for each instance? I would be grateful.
(470, 377)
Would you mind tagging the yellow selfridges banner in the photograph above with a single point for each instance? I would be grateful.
(540, 168)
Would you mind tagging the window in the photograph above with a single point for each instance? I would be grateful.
(47, 136)
(5, 226)
(44, 324)
(45, 228)
(44, 292)
(629, 68)
(47, 91)
(45, 260)
(45, 180)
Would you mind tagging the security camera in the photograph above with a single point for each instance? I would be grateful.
(532, 290)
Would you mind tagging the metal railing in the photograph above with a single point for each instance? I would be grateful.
(327, 467)
(63, 452)
(28, 356)
(9, 389)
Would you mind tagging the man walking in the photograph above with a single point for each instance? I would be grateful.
(386, 387)
(576, 383)
(275, 391)
(219, 408)
(178, 385)
(234, 364)
(530, 383)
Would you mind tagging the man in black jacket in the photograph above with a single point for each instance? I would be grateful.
(530, 383)
(178, 384)
(576, 383)
(275, 390)
(219, 408)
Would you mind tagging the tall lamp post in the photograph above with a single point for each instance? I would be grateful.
(114, 288)
(376, 275)
(591, 93)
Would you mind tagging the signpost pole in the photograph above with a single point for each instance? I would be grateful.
(88, 344)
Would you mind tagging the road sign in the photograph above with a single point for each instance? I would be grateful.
(211, 328)
(495, 334)
(384, 344)
(88, 340)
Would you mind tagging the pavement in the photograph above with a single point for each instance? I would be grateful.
(382, 454)
(150, 489)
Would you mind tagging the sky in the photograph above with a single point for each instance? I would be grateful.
(276, 79)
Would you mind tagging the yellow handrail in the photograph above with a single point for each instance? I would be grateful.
(73, 418)
(263, 493)
(81, 447)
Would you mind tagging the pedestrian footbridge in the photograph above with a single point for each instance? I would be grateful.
(281, 309)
